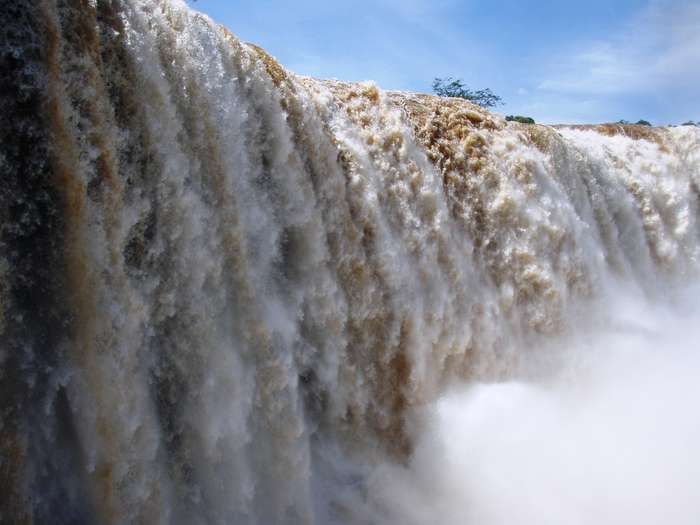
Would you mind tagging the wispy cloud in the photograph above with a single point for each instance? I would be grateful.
(659, 50)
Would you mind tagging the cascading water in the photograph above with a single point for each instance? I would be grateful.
(235, 295)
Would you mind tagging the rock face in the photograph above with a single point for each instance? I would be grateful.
(227, 290)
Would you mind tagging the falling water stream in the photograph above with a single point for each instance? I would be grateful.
(234, 295)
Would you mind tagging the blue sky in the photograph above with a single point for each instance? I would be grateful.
(554, 60)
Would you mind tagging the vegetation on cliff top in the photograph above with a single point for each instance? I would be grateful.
(446, 87)
(518, 118)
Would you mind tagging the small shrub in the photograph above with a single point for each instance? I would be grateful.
(518, 118)
(639, 122)
(690, 123)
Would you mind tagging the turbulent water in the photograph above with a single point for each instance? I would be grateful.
(231, 294)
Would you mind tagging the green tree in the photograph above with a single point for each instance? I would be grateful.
(518, 118)
(639, 122)
(446, 87)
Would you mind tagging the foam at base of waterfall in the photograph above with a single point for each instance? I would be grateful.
(612, 438)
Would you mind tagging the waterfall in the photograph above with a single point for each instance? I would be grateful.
(231, 294)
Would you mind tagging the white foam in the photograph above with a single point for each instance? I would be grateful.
(611, 439)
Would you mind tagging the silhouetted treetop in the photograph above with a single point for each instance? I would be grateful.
(446, 87)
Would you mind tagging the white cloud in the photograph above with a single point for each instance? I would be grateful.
(658, 51)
